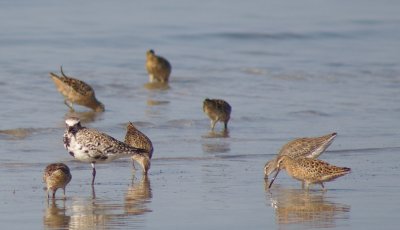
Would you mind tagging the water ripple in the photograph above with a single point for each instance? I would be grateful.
(316, 35)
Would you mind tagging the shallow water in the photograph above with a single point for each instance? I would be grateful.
(289, 69)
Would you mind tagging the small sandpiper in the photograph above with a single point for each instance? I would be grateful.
(92, 146)
(309, 171)
(137, 139)
(56, 175)
(310, 147)
(157, 67)
(217, 110)
(76, 91)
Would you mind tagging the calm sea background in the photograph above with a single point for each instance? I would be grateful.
(288, 68)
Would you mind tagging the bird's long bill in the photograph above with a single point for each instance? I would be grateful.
(273, 179)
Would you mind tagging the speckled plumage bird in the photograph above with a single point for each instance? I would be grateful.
(309, 171)
(217, 110)
(158, 68)
(137, 139)
(56, 175)
(76, 92)
(92, 146)
(309, 147)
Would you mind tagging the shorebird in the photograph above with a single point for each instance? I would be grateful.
(309, 171)
(217, 110)
(157, 67)
(56, 175)
(92, 146)
(137, 139)
(309, 147)
(76, 91)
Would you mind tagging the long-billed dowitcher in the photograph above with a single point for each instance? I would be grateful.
(310, 147)
(217, 110)
(76, 91)
(309, 171)
(157, 67)
(137, 139)
(92, 146)
(56, 175)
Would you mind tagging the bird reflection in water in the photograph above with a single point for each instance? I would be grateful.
(89, 214)
(216, 147)
(221, 134)
(156, 97)
(138, 196)
(313, 209)
(54, 216)
(95, 212)
(211, 144)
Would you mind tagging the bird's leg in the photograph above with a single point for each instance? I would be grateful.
(69, 104)
(307, 186)
(225, 125)
(93, 192)
(48, 194)
(133, 165)
(323, 187)
(93, 173)
(133, 177)
(151, 78)
(64, 193)
(225, 132)
(54, 193)
(213, 122)
(302, 185)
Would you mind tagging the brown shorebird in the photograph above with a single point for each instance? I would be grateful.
(76, 91)
(139, 140)
(157, 67)
(309, 171)
(56, 175)
(310, 147)
(92, 146)
(217, 110)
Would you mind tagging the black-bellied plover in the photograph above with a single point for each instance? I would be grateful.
(157, 67)
(56, 175)
(217, 110)
(309, 171)
(92, 146)
(310, 147)
(137, 139)
(76, 91)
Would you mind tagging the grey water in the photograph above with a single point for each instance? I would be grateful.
(288, 68)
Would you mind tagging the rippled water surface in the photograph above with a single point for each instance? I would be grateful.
(289, 69)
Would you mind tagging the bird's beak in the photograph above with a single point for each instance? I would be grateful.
(273, 179)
